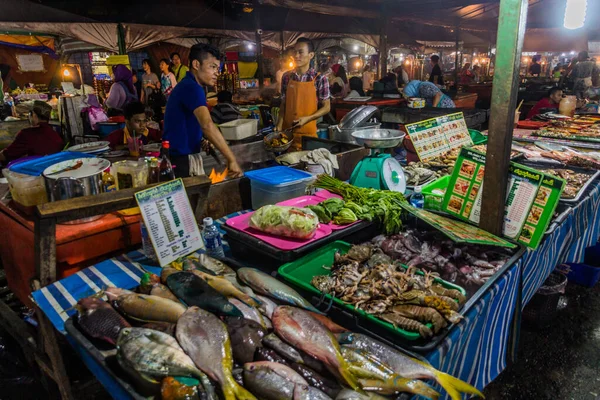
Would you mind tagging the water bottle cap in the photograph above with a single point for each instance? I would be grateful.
(208, 221)
(417, 189)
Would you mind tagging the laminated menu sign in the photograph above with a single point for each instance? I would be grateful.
(171, 224)
(436, 136)
(531, 197)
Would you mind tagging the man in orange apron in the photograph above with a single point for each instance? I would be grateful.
(305, 95)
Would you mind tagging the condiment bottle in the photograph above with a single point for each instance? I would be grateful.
(153, 171)
(165, 169)
(108, 181)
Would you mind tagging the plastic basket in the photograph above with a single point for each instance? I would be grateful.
(239, 129)
(477, 137)
(581, 274)
(541, 310)
(433, 201)
(106, 128)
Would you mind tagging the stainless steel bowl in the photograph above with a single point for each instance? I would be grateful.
(378, 138)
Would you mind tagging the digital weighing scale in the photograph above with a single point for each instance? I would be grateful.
(379, 170)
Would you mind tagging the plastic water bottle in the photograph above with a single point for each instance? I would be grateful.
(212, 239)
(417, 200)
(147, 248)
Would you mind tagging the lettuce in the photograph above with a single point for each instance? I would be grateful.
(300, 223)
(345, 216)
(333, 205)
(323, 214)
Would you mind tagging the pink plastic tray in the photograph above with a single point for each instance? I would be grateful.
(241, 224)
(304, 201)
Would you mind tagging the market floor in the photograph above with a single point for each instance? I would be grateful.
(561, 362)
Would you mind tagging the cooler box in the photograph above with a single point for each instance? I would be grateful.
(276, 184)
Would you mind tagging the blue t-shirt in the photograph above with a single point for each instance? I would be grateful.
(182, 129)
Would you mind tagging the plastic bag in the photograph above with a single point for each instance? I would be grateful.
(95, 114)
(299, 223)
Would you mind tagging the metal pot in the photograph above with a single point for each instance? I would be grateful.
(75, 178)
(345, 135)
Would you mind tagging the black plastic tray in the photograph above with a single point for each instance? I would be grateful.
(251, 250)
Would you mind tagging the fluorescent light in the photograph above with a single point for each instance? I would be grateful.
(575, 14)
(250, 46)
(355, 47)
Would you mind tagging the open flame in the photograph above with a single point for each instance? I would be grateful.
(216, 177)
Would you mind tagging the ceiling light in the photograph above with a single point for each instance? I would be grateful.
(250, 46)
(575, 14)
(355, 47)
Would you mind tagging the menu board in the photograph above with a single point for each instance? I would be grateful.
(531, 197)
(171, 224)
(458, 231)
(436, 136)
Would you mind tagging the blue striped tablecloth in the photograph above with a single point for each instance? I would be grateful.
(476, 350)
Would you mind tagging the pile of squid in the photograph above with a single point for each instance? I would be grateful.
(369, 280)
(204, 331)
(469, 266)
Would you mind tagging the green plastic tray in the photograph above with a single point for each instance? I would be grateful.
(300, 272)
(477, 137)
(431, 200)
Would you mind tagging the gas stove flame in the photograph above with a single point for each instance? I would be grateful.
(216, 177)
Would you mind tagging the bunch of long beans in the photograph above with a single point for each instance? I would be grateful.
(385, 205)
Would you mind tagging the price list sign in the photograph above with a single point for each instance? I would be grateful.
(531, 197)
(436, 136)
(170, 221)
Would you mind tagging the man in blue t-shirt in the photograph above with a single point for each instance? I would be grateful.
(187, 119)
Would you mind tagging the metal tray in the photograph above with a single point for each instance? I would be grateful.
(100, 352)
(558, 220)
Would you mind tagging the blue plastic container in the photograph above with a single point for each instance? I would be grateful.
(276, 184)
(36, 166)
(581, 274)
(592, 255)
(106, 128)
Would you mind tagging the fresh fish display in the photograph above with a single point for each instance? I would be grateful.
(418, 173)
(301, 330)
(113, 293)
(267, 306)
(274, 381)
(314, 379)
(267, 285)
(160, 290)
(405, 366)
(226, 288)
(194, 291)
(329, 324)
(147, 281)
(246, 337)
(166, 272)
(264, 354)
(286, 351)
(214, 265)
(154, 355)
(204, 337)
(149, 308)
(250, 313)
(376, 376)
(179, 388)
(99, 320)
(422, 314)
(349, 394)
(164, 327)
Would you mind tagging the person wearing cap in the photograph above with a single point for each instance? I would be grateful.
(39, 140)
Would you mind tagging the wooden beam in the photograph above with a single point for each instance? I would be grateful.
(45, 250)
(88, 206)
(259, 50)
(383, 42)
(511, 30)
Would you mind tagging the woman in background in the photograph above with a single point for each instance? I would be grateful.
(150, 82)
(167, 78)
(122, 92)
(339, 84)
(430, 92)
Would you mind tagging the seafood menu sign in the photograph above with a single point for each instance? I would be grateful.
(436, 136)
(531, 197)
(171, 224)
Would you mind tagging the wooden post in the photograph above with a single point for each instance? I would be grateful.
(456, 49)
(282, 37)
(383, 44)
(259, 52)
(45, 250)
(511, 30)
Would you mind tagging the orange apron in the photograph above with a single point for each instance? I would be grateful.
(300, 101)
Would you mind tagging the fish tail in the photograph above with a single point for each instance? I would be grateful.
(455, 386)
(413, 386)
(241, 393)
(347, 376)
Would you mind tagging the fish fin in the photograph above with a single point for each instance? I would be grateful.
(455, 386)
(236, 391)
(413, 386)
(347, 376)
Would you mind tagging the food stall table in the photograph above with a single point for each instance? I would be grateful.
(475, 350)
(342, 107)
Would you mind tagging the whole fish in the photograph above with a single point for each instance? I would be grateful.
(286, 351)
(214, 265)
(204, 337)
(264, 354)
(376, 376)
(166, 272)
(149, 308)
(406, 366)
(246, 336)
(99, 320)
(113, 293)
(161, 290)
(226, 288)
(303, 331)
(250, 313)
(269, 286)
(329, 324)
(154, 354)
(314, 379)
(310, 393)
(274, 381)
(164, 327)
(267, 307)
(349, 394)
(194, 291)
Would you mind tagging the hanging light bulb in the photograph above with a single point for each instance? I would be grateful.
(355, 47)
(575, 14)
(250, 46)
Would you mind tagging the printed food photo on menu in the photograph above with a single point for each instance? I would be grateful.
(543, 195)
(455, 204)
(473, 192)
(461, 186)
(467, 169)
(467, 210)
(527, 233)
(480, 174)
(534, 215)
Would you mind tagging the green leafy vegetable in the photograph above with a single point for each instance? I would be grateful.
(323, 213)
(345, 217)
(285, 221)
(362, 212)
(333, 205)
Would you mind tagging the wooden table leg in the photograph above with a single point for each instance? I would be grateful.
(45, 250)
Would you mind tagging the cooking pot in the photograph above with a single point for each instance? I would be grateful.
(75, 178)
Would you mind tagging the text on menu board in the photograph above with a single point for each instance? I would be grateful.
(170, 221)
(531, 197)
(436, 136)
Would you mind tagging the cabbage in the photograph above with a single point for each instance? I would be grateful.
(300, 223)
(333, 205)
(345, 216)
(323, 214)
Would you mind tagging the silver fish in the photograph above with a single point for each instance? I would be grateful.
(249, 312)
(214, 265)
(267, 307)
(269, 286)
